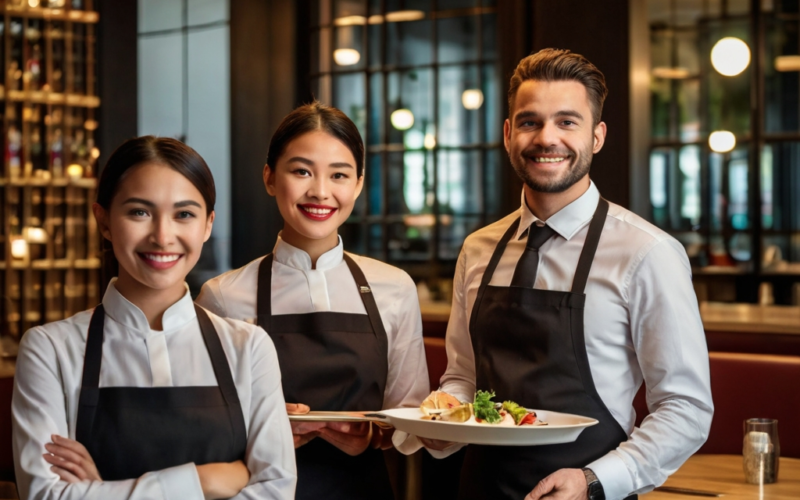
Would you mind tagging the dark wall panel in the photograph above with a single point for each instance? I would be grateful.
(117, 58)
(600, 33)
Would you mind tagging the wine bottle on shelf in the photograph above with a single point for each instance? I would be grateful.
(14, 151)
(33, 67)
(57, 153)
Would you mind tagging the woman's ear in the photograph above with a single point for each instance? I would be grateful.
(269, 180)
(101, 216)
(209, 226)
(359, 186)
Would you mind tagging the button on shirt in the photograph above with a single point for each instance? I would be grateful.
(48, 382)
(641, 323)
(299, 289)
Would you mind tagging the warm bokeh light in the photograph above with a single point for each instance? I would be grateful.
(75, 170)
(430, 141)
(668, 73)
(402, 119)
(730, 56)
(722, 141)
(472, 98)
(404, 15)
(350, 21)
(787, 63)
(19, 248)
(346, 57)
(35, 235)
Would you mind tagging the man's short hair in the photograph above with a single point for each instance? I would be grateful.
(550, 65)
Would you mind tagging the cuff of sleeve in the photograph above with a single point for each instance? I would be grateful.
(180, 482)
(408, 444)
(613, 475)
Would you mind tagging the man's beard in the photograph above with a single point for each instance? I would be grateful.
(576, 170)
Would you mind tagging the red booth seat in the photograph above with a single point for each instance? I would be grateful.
(749, 386)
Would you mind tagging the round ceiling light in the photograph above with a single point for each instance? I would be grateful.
(402, 119)
(346, 57)
(472, 99)
(730, 56)
(722, 141)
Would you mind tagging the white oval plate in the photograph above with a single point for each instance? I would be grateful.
(561, 428)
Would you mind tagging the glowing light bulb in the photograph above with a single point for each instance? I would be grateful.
(75, 170)
(402, 119)
(722, 141)
(730, 56)
(346, 57)
(19, 248)
(472, 99)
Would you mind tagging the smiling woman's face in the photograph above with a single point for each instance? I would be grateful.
(157, 224)
(316, 185)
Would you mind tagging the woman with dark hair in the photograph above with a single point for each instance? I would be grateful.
(347, 328)
(149, 396)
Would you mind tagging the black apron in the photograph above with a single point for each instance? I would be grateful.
(331, 361)
(130, 431)
(529, 348)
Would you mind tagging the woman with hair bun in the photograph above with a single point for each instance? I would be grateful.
(149, 396)
(347, 328)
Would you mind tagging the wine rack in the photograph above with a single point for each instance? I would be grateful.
(49, 249)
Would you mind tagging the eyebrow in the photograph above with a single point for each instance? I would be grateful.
(306, 161)
(562, 113)
(148, 203)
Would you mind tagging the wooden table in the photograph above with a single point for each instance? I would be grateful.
(724, 474)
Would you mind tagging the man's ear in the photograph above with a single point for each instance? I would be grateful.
(269, 180)
(101, 216)
(506, 133)
(599, 137)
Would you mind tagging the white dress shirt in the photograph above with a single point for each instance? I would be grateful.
(48, 382)
(299, 289)
(641, 323)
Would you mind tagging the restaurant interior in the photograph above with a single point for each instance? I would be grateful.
(703, 119)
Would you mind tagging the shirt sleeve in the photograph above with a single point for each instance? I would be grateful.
(407, 382)
(459, 377)
(38, 410)
(270, 448)
(211, 299)
(669, 340)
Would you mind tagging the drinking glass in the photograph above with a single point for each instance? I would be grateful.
(761, 450)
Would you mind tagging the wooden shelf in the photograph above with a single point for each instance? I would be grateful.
(75, 16)
(52, 98)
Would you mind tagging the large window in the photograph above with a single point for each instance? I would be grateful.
(421, 80)
(725, 129)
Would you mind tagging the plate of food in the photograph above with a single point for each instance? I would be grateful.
(443, 417)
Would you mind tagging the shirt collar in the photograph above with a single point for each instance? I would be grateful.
(130, 316)
(567, 221)
(292, 256)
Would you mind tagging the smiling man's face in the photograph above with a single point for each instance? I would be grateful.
(551, 136)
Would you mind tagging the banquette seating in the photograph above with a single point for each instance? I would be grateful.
(749, 386)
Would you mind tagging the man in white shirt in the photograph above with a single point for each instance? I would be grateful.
(522, 326)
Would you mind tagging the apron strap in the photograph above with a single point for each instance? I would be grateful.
(590, 247)
(264, 294)
(367, 298)
(489, 271)
(90, 392)
(222, 371)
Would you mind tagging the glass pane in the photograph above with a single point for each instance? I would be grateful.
(411, 240)
(207, 11)
(376, 109)
(409, 43)
(375, 244)
(489, 36)
(349, 95)
(781, 76)
(375, 36)
(659, 167)
(458, 39)
(410, 102)
(784, 185)
(460, 100)
(348, 51)
(352, 237)
(492, 104)
(374, 184)
(460, 190)
(729, 97)
(452, 233)
(493, 182)
(418, 182)
(395, 202)
(161, 85)
(738, 190)
(159, 15)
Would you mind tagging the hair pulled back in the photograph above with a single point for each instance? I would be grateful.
(312, 117)
(162, 150)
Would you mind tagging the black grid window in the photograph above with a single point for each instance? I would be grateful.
(421, 80)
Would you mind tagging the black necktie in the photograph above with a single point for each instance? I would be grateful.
(525, 273)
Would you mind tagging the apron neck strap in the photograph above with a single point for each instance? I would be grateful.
(590, 247)
(264, 294)
(94, 350)
(366, 297)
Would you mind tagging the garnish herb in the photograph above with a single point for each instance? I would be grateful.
(484, 407)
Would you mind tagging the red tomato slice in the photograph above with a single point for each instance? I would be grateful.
(528, 419)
